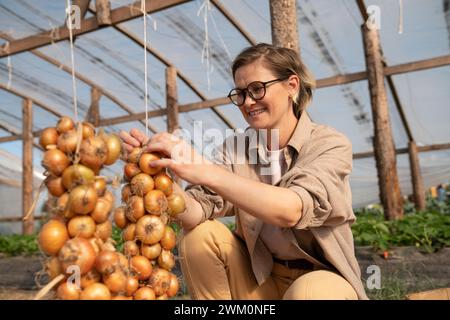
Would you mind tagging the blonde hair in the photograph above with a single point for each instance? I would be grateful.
(283, 62)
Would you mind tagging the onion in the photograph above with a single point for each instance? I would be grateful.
(151, 251)
(48, 136)
(104, 230)
(134, 155)
(141, 266)
(93, 152)
(68, 291)
(120, 219)
(89, 278)
(81, 226)
(168, 241)
(176, 204)
(129, 233)
(114, 147)
(116, 281)
(55, 161)
(149, 229)
(123, 263)
(121, 297)
(132, 286)
(107, 262)
(64, 124)
(62, 207)
(166, 260)
(88, 130)
(144, 163)
(67, 141)
(135, 208)
(144, 293)
(100, 186)
(96, 291)
(163, 297)
(130, 170)
(174, 286)
(159, 281)
(77, 174)
(53, 267)
(101, 211)
(130, 248)
(164, 183)
(109, 196)
(52, 237)
(126, 193)
(55, 186)
(83, 199)
(77, 251)
(155, 202)
(141, 184)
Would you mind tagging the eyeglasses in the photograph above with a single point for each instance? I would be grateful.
(256, 90)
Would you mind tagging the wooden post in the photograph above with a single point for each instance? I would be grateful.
(390, 194)
(103, 9)
(171, 99)
(283, 17)
(27, 165)
(416, 176)
(93, 114)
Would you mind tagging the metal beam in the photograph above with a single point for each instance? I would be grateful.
(118, 15)
(433, 147)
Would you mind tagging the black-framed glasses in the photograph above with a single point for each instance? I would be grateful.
(256, 90)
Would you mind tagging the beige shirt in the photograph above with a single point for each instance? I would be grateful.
(318, 161)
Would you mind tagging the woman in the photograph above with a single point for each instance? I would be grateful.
(293, 238)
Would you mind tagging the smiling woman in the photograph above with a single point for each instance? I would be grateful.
(293, 206)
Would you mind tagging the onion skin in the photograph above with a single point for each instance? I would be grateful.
(67, 141)
(93, 152)
(169, 239)
(96, 291)
(81, 226)
(120, 218)
(141, 184)
(149, 229)
(144, 163)
(145, 293)
(77, 174)
(159, 281)
(176, 204)
(141, 266)
(55, 161)
(88, 130)
(164, 183)
(52, 237)
(114, 147)
(65, 124)
(104, 230)
(55, 186)
(68, 291)
(77, 251)
(155, 202)
(174, 286)
(83, 199)
(48, 136)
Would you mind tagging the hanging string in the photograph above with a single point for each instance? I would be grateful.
(9, 65)
(400, 18)
(144, 12)
(72, 58)
(206, 54)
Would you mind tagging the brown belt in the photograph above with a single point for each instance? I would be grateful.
(295, 264)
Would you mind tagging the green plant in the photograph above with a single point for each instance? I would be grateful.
(428, 229)
(17, 244)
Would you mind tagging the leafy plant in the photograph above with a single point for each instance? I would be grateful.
(16, 244)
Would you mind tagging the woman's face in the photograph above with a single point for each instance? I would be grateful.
(275, 109)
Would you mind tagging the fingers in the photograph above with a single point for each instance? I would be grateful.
(139, 136)
(166, 163)
(127, 139)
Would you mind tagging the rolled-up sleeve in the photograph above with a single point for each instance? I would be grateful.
(213, 205)
(322, 184)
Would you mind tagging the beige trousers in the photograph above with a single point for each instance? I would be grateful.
(216, 265)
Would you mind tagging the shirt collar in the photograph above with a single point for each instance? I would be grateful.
(301, 134)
